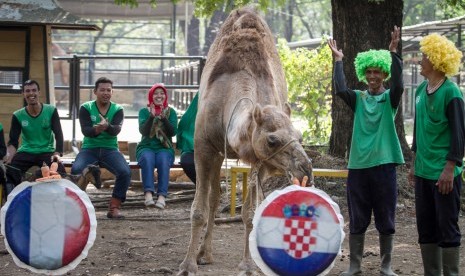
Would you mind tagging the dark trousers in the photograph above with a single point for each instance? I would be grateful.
(188, 165)
(437, 214)
(372, 190)
(23, 161)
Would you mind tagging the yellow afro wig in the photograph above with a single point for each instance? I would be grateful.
(372, 58)
(442, 53)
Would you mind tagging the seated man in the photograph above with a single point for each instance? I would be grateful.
(101, 121)
(185, 139)
(2, 155)
(39, 127)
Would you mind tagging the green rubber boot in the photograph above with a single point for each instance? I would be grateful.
(356, 243)
(386, 243)
(431, 255)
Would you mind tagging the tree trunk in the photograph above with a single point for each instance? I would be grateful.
(210, 33)
(360, 25)
(193, 41)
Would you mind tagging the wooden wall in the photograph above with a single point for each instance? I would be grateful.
(26, 47)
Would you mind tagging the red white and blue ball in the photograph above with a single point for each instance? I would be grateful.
(49, 227)
(297, 231)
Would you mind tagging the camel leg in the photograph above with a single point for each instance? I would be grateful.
(247, 265)
(200, 209)
(206, 252)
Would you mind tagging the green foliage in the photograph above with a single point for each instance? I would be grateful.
(206, 8)
(308, 76)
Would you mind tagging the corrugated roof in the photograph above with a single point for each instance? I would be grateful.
(411, 35)
(443, 27)
(40, 12)
(107, 9)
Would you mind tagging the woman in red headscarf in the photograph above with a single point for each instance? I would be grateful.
(157, 124)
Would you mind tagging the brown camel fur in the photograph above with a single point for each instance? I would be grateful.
(243, 113)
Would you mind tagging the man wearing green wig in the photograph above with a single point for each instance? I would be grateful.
(375, 150)
(438, 144)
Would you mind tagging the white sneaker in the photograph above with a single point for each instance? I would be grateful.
(160, 202)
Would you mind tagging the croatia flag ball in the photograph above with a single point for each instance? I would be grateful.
(297, 231)
(49, 227)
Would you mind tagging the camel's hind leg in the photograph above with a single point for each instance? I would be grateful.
(207, 166)
(247, 265)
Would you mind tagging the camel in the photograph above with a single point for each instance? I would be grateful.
(242, 114)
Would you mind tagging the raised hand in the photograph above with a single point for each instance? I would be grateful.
(337, 53)
(395, 38)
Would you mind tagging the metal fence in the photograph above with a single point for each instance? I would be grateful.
(132, 77)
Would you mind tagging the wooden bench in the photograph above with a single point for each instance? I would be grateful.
(246, 170)
(133, 165)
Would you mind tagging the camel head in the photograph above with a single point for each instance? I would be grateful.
(277, 144)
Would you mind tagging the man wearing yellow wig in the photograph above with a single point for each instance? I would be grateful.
(375, 150)
(438, 145)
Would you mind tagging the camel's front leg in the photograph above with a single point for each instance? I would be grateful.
(199, 215)
(205, 255)
(247, 265)
(200, 211)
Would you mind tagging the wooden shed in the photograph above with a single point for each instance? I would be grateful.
(25, 49)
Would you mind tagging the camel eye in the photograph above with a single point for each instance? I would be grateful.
(273, 141)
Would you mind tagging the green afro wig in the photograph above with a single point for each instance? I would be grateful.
(373, 58)
(442, 53)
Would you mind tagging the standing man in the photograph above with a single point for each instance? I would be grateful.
(39, 126)
(438, 145)
(375, 150)
(101, 122)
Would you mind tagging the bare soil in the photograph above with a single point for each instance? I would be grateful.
(154, 242)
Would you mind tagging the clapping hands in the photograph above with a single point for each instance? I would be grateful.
(156, 112)
(102, 125)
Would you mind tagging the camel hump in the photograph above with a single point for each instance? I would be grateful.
(245, 43)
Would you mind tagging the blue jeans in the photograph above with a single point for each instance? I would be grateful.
(110, 159)
(149, 160)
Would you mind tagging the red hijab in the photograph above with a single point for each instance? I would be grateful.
(158, 109)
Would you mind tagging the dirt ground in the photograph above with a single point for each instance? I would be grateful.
(154, 242)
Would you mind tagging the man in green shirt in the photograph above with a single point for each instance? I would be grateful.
(438, 144)
(38, 125)
(101, 121)
(375, 150)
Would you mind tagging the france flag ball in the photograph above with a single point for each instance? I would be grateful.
(48, 226)
(296, 232)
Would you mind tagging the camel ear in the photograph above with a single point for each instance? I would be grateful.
(257, 114)
(287, 109)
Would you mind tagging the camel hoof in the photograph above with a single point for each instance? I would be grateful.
(187, 269)
(204, 261)
(185, 273)
(247, 268)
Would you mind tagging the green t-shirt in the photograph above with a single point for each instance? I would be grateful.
(104, 139)
(186, 128)
(36, 132)
(153, 143)
(374, 138)
(433, 133)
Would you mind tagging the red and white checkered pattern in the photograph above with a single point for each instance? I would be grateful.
(297, 236)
